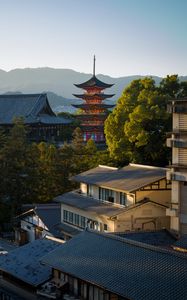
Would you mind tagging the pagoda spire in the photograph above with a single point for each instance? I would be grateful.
(94, 66)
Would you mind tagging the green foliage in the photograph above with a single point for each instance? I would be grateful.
(136, 129)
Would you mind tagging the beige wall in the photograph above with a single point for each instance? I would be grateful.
(158, 196)
(175, 121)
(134, 219)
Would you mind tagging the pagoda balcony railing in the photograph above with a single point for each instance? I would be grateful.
(177, 143)
(91, 124)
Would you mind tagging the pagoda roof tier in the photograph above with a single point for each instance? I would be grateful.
(93, 82)
(91, 116)
(93, 106)
(93, 96)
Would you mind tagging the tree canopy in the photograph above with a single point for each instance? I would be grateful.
(136, 129)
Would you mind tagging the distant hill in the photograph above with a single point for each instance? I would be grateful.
(59, 83)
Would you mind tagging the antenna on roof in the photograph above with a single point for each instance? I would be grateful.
(94, 66)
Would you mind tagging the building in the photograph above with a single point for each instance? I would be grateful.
(93, 110)
(178, 171)
(37, 222)
(41, 121)
(116, 200)
(21, 270)
(107, 267)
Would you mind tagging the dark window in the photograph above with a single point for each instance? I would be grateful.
(123, 199)
(105, 227)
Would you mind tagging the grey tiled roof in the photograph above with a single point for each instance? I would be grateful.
(24, 262)
(129, 178)
(28, 106)
(182, 242)
(130, 269)
(67, 229)
(156, 238)
(50, 214)
(90, 204)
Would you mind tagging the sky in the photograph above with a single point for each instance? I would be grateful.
(128, 37)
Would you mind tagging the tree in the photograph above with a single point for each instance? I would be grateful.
(18, 168)
(136, 129)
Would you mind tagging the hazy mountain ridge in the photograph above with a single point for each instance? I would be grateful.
(60, 82)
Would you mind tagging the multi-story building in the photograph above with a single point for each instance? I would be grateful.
(178, 171)
(116, 200)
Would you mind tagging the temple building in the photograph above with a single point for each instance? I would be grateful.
(93, 110)
(42, 123)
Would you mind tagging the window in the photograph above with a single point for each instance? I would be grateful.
(90, 190)
(83, 222)
(76, 219)
(123, 199)
(70, 217)
(105, 227)
(105, 194)
(65, 215)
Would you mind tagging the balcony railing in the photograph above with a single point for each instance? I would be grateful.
(178, 109)
(176, 143)
(176, 176)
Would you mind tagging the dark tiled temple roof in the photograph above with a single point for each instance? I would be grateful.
(93, 82)
(93, 106)
(33, 108)
(23, 263)
(93, 96)
(92, 116)
(128, 179)
(127, 268)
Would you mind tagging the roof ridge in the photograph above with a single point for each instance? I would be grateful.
(147, 166)
(137, 243)
(107, 167)
(36, 102)
(20, 95)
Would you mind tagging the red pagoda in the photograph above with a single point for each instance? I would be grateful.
(94, 111)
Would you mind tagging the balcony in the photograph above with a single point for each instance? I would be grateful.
(52, 289)
(180, 109)
(176, 143)
(176, 176)
(177, 108)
